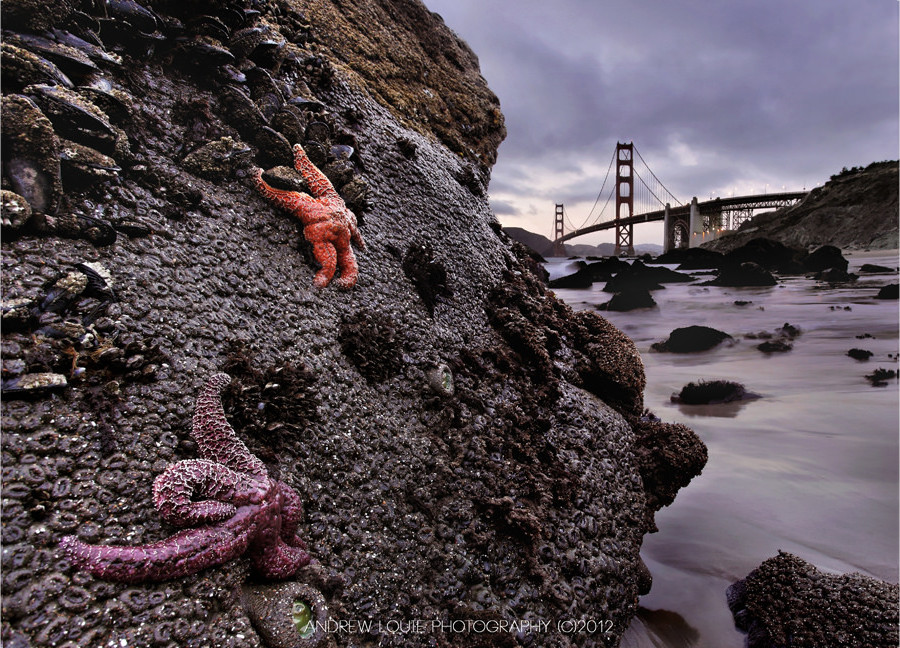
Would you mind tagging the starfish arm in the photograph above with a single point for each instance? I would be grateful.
(197, 491)
(291, 515)
(301, 205)
(357, 238)
(347, 264)
(318, 182)
(279, 561)
(184, 553)
(216, 439)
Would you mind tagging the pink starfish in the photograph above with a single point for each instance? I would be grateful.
(327, 223)
(229, 492)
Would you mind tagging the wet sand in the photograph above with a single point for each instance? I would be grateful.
(810, 468)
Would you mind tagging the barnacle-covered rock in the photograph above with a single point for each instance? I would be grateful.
(34, 15)
(219, 159)
(371, 342)
(30, 153)
(22, 68)
(14, 212)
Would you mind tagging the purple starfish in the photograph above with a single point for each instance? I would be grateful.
(228, 492)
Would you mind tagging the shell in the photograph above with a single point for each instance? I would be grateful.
(75, 117)
(274, 149)
(22, 68)
(31, 153)
(440, 380)
(134, 14)
(70, 60)
(15, 212)
(33, 384)
(244, 41)
(218, 159)
(83, 166)
(241, 112)
(289, 123)
(93, 50)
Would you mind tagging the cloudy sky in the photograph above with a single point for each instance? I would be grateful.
(720, 98)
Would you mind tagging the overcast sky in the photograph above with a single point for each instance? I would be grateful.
(721, 98)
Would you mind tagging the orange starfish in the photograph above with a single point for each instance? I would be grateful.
(327, 223)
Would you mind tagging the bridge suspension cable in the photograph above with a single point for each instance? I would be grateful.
(657, 180)
(600, 194)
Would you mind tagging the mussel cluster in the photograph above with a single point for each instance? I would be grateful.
(71, 107)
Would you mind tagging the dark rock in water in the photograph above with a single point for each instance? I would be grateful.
(769, 254)
(692, 258)
(787, 601)
(836, 275)
(874, 268)
(712, 392)
(629, 300)
(775, 346)
(744, 275)
(860, 354)
(692, 338)
(880, 377)
(583, 278)
(827, 256)
(891, 291)
(639, 276)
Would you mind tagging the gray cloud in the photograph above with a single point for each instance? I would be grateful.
(714, 95)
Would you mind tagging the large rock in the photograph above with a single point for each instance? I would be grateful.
(462, 442)
(788, 602)
(825, 257)
(690, 339)
(743, 275)
(767, 253)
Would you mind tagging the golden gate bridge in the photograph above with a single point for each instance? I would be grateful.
(648, 200)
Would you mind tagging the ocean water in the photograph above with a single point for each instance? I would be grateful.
(810, 468)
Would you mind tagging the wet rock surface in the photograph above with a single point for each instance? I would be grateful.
(788, 602)
(503, 486)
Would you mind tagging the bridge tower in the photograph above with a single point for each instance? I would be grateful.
(624, 197)
(558, 232)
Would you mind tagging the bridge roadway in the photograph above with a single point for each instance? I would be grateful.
(710, 206)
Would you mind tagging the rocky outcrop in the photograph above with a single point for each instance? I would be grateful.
(464, 445)
(788, 602)
(855, 209)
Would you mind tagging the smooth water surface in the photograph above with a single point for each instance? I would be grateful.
(810, 468)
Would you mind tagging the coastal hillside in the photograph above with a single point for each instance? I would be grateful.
(544, 246)
(855, 209)
(249, 384)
